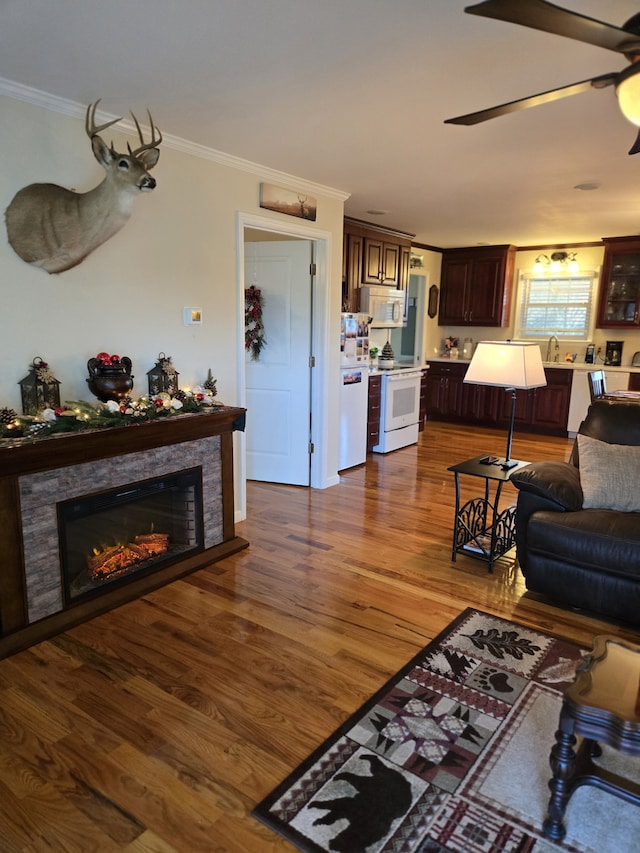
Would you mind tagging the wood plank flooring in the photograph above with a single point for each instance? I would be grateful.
(158, 726)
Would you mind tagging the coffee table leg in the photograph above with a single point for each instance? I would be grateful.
(563, 767)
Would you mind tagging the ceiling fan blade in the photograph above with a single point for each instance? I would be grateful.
(535, 100)
(540, 15)
(635, 148)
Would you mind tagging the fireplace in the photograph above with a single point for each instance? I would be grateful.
(37, 478)
(112, 537)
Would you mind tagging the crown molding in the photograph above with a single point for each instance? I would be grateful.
(38, 98)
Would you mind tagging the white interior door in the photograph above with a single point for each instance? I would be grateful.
(278, 385)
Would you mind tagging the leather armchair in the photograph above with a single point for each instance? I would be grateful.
(584, 558)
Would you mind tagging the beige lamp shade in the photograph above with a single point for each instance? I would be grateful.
(507, 365)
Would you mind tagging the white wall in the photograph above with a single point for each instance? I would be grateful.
(178, 249)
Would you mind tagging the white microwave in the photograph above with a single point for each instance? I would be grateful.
(385, 305)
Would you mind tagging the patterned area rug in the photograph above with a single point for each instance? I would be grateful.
(451, 756)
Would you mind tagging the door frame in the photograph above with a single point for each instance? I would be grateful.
(320, 345)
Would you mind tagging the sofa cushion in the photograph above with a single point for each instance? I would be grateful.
(599, 540)
(609, 475)
(552, 480)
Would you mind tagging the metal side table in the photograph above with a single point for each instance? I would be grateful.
(480, 530)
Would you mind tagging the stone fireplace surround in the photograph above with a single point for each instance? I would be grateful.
(35, 476)
(39, 494)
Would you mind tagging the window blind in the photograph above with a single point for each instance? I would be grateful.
(558, 306)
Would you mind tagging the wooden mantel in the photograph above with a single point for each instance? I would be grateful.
(22, 459)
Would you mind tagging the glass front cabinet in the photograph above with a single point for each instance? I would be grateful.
(619, 301)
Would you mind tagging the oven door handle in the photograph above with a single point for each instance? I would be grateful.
(403, 377)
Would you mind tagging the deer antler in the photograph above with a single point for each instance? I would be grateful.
(145, 145)
(90, 122)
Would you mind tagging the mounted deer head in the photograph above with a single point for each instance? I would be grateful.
(54, 228)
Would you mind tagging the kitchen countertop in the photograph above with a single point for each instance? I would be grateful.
(563, 365)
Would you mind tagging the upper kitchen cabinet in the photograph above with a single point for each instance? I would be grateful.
(381, 262)
(476, 286)
(372, 255)
(619, 302)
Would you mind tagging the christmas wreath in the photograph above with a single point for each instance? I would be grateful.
(254, 339)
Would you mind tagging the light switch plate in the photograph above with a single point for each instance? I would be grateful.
(192, 316)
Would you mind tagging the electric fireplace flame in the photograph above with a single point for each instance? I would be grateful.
(120, 559)
(114, 536)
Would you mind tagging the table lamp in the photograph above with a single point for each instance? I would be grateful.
(508, 365)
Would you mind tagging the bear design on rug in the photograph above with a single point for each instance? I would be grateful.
(380, 799)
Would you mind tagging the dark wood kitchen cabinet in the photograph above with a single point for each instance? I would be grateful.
(381, 262)
(353, 249)
(373, 411)
(476, 286)
(550, 407)
(444, 390)
(423, 400)
(480, 403)
(372, 255)
(619, 294)
(543, 409)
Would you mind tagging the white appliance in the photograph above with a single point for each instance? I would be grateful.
(354, 389)
(399, 409)
(385, 305)
(354, 392)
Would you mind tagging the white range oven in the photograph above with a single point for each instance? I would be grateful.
(399, 408)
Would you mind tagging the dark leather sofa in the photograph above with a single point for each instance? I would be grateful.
(584, 558)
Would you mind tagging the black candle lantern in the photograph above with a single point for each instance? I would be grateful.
(40, 389)
(163, 377)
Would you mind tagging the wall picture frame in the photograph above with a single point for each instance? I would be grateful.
(290, 202)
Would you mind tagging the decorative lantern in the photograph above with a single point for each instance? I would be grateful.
(163, 377)
(40, 389)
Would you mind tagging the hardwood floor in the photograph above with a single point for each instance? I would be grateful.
(158, 726)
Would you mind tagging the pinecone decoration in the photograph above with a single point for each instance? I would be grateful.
(7, 416)
(210, 383)
(180, 395)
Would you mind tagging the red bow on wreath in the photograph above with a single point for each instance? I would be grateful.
(254, 339)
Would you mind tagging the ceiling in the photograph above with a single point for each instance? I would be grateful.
(352, 94)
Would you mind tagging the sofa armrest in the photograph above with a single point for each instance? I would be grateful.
(557, 482)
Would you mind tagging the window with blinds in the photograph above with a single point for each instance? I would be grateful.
(561, 306)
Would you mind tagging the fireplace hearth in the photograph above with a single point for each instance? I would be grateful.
(138, 545)
(112, 537)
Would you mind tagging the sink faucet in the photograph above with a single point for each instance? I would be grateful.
(556, 357)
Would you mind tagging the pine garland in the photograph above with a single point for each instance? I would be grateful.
(254, 338)
(79, 415)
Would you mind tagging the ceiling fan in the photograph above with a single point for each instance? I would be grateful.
(540, 15)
